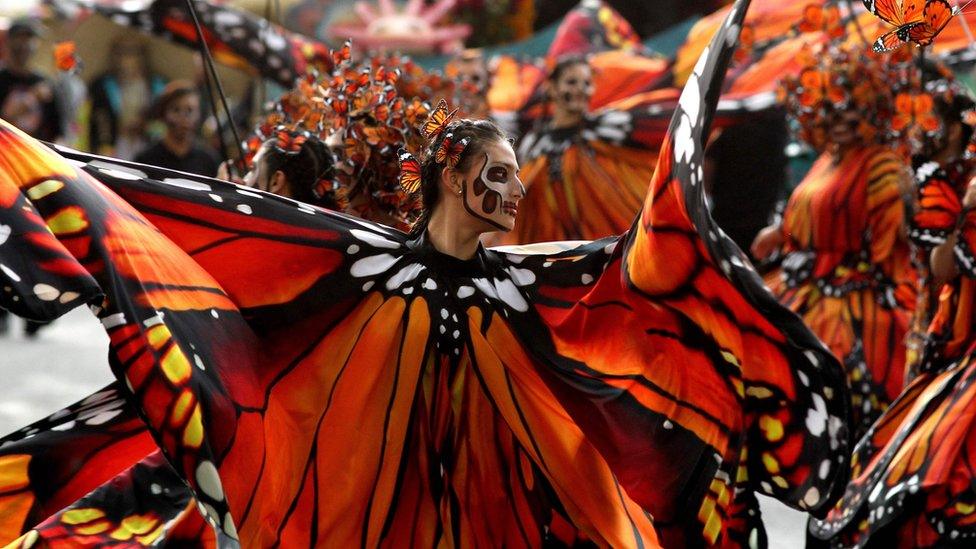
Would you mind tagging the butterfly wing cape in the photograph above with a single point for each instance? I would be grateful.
(235, 37)
(317, 378)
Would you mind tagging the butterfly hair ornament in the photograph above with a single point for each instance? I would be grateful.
(289, 141)
(450, 150)
(444, 148)
(834, 80)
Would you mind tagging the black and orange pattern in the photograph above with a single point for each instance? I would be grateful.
(587, 183)
(913, 470)
(847, 270)
(317, 378)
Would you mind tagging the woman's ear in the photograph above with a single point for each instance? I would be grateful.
(450, 178)
(278, 184)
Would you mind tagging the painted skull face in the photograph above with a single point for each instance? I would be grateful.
(492, 188)
(571, 92)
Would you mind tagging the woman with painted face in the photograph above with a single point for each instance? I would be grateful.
(845, 267)
(915, 483)
(586, 173)
(318, 379)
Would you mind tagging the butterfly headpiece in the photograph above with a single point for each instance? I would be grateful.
(835, 80)
(447, 152)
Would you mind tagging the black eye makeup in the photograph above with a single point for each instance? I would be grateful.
(497, 174)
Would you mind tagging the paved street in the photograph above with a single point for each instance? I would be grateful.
(67, 361)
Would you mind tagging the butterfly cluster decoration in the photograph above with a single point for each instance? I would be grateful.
(447, 152)
(366, 112)
(912, 21)
(835, 79)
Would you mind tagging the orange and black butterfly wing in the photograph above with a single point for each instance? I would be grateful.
(938, 207)
(895, 38)
(25, 287)
(104, 435)
(410, 172)
(936, 16)
(762, 393)
(234, 36)
(896, 12)
(702, 267)
(906, 468)
(206, 348)
(438, 120)
(120, 513)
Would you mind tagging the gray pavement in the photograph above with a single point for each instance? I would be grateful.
(67, 362)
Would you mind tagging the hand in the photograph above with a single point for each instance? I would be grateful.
(969, 199)
(223, 172)
(767, 242)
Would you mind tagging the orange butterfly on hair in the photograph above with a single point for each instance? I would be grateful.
(343, 54)
(381, 136)
(438, 120)
(410, 178)
(387, 76)
(821, 18)
(450, 151)
(917, 21)
(356, 150)
(818, 86)
(914, 110)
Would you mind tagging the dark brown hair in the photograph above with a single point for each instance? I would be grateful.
(303, 170)
(173, 92)
(480, 134)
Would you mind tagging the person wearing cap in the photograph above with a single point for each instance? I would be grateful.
(27, 99)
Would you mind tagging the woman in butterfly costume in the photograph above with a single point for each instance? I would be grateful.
(585, 173)
(318, 379)
(846, 268)
(913, 472)
(942, 169)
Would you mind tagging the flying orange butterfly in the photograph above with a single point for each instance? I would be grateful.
(409, 172)
(450, 151)
(438, 120)
(917, 21)
(914, 110)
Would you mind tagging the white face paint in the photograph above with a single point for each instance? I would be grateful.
(573, 89)
(492, 188)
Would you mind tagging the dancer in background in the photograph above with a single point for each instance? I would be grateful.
(316, 378)
(121, 99)
(29, 102)
(585, 173)
(914, 470)
(296, 165)
(178, 106)
(846, 268)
